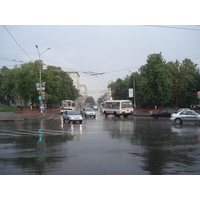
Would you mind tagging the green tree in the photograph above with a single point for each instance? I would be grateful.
(3, 95)
(9, 84)
(134, 82)
(155, 86)
(59, 85)
(20, 83)
(90, 100)
(25, 85)
(120, 88)
(102, 98)
(184, 80)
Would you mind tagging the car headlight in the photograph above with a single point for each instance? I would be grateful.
(71, 117)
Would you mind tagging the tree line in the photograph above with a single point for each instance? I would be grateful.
(19, 83)
(160, 83)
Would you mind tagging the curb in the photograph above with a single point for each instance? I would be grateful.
(15, 120)
(23, 119)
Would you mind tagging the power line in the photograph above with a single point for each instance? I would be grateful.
(174, 27)
(17, 42)
(10, 60)
(118, 70)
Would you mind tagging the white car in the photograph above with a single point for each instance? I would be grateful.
(72, 116)
(89, 112)
(185, 116)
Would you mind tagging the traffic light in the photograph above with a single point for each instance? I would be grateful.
(43, 95)
(39, 98)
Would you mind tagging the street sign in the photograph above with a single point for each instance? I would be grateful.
(43, 84)
(130, 92)
(42, 88)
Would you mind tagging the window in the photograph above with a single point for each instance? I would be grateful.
(184, 113)
(191, 113)
(126, 104)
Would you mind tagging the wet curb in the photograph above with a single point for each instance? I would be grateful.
(23, 119)
(29, 118)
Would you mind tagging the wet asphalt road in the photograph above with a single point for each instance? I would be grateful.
(133, 146)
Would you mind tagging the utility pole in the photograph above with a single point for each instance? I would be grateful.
(134, 93)
(40, 76)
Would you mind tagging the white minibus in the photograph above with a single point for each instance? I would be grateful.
(118, 108)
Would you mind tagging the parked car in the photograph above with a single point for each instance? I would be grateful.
(72, 116)
(89, 112)
(163, 113)
(185, 116)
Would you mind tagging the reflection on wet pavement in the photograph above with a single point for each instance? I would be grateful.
(137, 145)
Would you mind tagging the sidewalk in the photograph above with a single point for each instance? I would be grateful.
(25, 115)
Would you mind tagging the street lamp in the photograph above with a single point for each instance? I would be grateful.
(40, 75)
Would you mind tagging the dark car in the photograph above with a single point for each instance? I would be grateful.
(163, 113)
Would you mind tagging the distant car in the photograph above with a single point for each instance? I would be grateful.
(185, 116)
(72, 116)
(163, 113)
(95, 107)
(89, 112)
(84, 107)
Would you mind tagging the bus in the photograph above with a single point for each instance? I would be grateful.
(118, 108)
(67, 105)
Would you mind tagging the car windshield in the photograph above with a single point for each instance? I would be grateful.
(89, 109)
(73, 112)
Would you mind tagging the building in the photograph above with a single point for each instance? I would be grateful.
(75, 77)
(83, 90)
(109, 94)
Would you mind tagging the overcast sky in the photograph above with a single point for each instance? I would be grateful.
(114, 50)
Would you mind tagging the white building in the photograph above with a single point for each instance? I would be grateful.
(75, 77)
(109, 97)
(83, 90)
(80, 87)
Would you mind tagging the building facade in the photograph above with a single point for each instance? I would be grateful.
(75, 77)
(83, 92)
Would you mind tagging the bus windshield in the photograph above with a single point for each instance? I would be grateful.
(126, 104)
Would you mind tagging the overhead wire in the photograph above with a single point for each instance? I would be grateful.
(174, 27)
(10, 60)
(17, 42)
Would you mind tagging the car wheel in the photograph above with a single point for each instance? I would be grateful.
(178, 121)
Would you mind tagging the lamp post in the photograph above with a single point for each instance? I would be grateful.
(134, 95)
(40, 75)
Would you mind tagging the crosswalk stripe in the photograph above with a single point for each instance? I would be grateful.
(31, 132)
